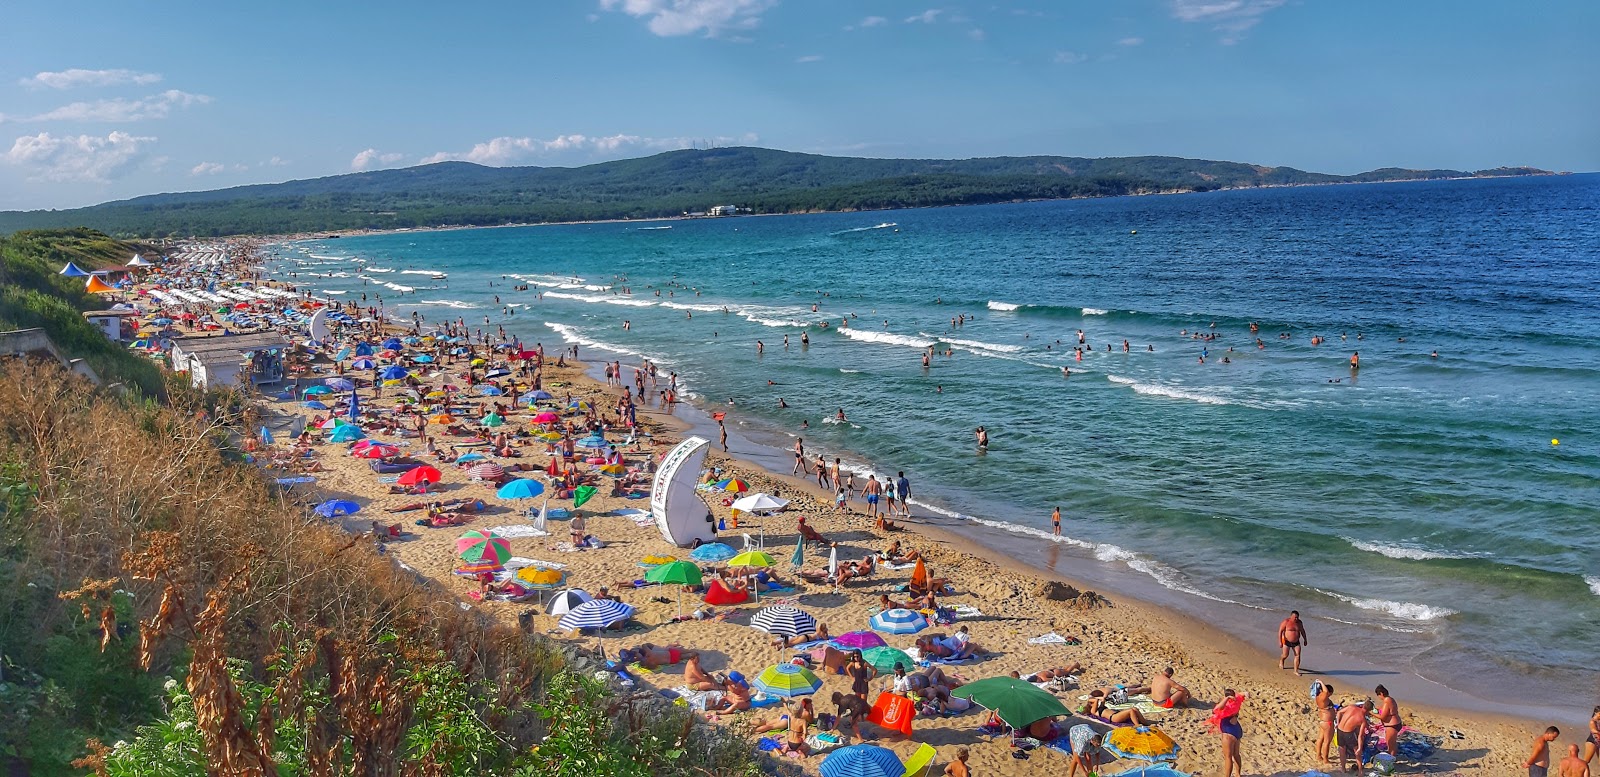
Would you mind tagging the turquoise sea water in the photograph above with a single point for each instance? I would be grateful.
(1417, 508)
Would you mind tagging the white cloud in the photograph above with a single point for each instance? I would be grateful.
(207, 168)
(669, 18)
(510, 151)
(69, 79)
(926, 17)
(277, 161)
(156, 106)
(1232, 18)
(873, 21)
(977, 33)
(370, 157)
(810, 58)
(1130, 41)
(1069, 57)
(77, 157)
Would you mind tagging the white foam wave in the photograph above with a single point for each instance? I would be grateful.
(571, 335)
(400, 288)
(327, 256)
(333, 291)
(1594, 583)
(691, 306)
(549, 280)
(1003, 306)
(1168, 391)
(602, 299)
(1404, 610)
(380, 269)
(885, 338)
(835, 420)
(974, 345)
(420, 272)
(849, 371)
(1402, 551)
(884, 225)
(1093, 312)
(449, 303)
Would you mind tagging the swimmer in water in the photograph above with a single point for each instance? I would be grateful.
(781, 403)
(839, 416)
(983, 438)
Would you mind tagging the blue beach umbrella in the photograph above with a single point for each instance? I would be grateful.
(862, 761)
(266, 436)
(362, 364)
(423, 359)
(315, 405)
(413, 340)
(471, 456)
(355, 405)
(490, 391)
(593, 441)
(162, 321)
(334, 507)
(392, 344)
(521, 488)
(713, 552)
(338, 384)
(346, 433)
(899, 621)
(364, 349)
(540, 394)
(318, 390)
(394, 372)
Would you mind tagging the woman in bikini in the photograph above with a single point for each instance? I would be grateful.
(1389, 718)
(1592, 744)
(1095, 708)
(1325, 709)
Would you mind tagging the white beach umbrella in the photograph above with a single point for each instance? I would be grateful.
(756, 503)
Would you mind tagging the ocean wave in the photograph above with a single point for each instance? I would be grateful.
(691, 306)
(848, 371)
(1168, 391)
(1410, 611)
(885, 338)
(571, 335)
(835, 420)
(584, 286)
(548, 280)
(327, 256)
(1094, 312)
(1400, 551)
(400, 288)
(449, 303)
(1594, 583)
(333, 291)
(1003, 306)
(602, 299)
(420, 272)
(380, 269)
(974, 345)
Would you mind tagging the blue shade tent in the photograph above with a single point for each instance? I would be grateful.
(334, 507)
(423, 359)
(316, 405)
(395, 372)
(74, 271)
(318, 390)
(346, 433)
(393, 344)
(490, 391)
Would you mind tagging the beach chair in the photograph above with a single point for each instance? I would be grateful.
(920, 762)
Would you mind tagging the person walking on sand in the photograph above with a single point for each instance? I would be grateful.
(1055, 520)
(1389, 717)
(799, 456)
(1291, 637)
(902, 489)
(1538, 764)
(822, 471)
(872, 491)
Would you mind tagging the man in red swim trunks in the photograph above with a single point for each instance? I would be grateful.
(1291, 637)
(1166, 692)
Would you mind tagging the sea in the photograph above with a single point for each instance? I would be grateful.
(1433, 514)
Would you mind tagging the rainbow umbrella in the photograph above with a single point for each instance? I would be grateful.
(787, 681)
(733, 485)
(481, 547)
(1141, 743)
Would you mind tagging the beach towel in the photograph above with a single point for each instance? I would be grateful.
(1144, 704)
(1053, 639)
(894, 712)
(518, 562)
(513, 532)
(897, 567)
(966, 611)
(698, 700)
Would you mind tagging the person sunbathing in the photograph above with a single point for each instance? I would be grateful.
(1096, 708)
(884, 524)
(1047, 675)
(892, 554)
(652, 656)
(818, 576)
(694, 676)
(934, 585)
(800, 639)
(889, 604)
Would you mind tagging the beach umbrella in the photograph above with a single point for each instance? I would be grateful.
(784, 620)
(596, 614)
(1017, 702)
(546, 417)
(833, 562)
(334, 507)
(393, 343)
(858, 640)
(787, 681)
(492, 420)
(752, 558)
(266, 436)
(489, 391)
(339, 384)
(592, 441)
(883, 658)
(443, 418)
(470, 456)
(732, 485)
(582, 494)
(436, 394)
(364, 349)
(416, 475)
(799, 557)
(478, 546)
(899, 621)
(521, 488)
(713, 552)
(1151, 770)
(486, 471)
(315, 405)
(388, 354)
(496, 373)
(564, 602)
(73, 271)
(378, 451)
(759, 503)
(477, 363)
(347, 433)
(331, 423)
(1141, 743)
(675, 573)
(394, 372)
(363, 364)
(540, 394)
(355, 406)
(862, 761)
(161, 321)
(318, 390)
(423, 359)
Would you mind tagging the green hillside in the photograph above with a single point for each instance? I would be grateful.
(668, 184)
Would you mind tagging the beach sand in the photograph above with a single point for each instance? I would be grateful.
(1125, 641)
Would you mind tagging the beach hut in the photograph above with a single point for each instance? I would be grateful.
(680, 515)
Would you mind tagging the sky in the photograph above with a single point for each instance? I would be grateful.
(112, 99)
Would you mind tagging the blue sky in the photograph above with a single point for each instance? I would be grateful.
(104, 100)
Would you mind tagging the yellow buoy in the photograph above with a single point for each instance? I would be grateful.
(1555, 442)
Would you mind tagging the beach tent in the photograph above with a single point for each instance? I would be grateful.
(97, 286)
(679, 514)
(317, 328)
(74, 271)
(139, 261)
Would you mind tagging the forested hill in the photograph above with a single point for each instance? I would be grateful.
(668, 184)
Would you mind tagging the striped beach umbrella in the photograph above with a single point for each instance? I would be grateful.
(899, 621)
(564, 602)
(862, 761)
(784, 620)
(787, 681)
(478, 546)
(595, 614)
(486, 471)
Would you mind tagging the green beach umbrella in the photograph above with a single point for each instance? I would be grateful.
(884, 658)
(482, 547)
(493, 419)
(799, 557)
(678, 573)
(1017, 702)
(582, 494)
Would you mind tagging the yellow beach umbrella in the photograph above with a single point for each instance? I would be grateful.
(478, 362)
(751, 558)
(444, 418)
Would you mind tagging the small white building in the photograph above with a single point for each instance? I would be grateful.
(231, 361)
(723, 210)
(111, 323)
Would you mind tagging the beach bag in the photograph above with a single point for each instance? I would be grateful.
(894, 712)
(1118, 696)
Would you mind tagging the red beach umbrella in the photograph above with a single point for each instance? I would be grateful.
(417, 474)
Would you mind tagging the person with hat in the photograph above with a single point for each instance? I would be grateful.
(735, 693)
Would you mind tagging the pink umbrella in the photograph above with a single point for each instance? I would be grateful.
(546, 417)
(378, 451)
(859, 640)
(487, 471)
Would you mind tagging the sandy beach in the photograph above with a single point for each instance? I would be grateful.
(1118, 640)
